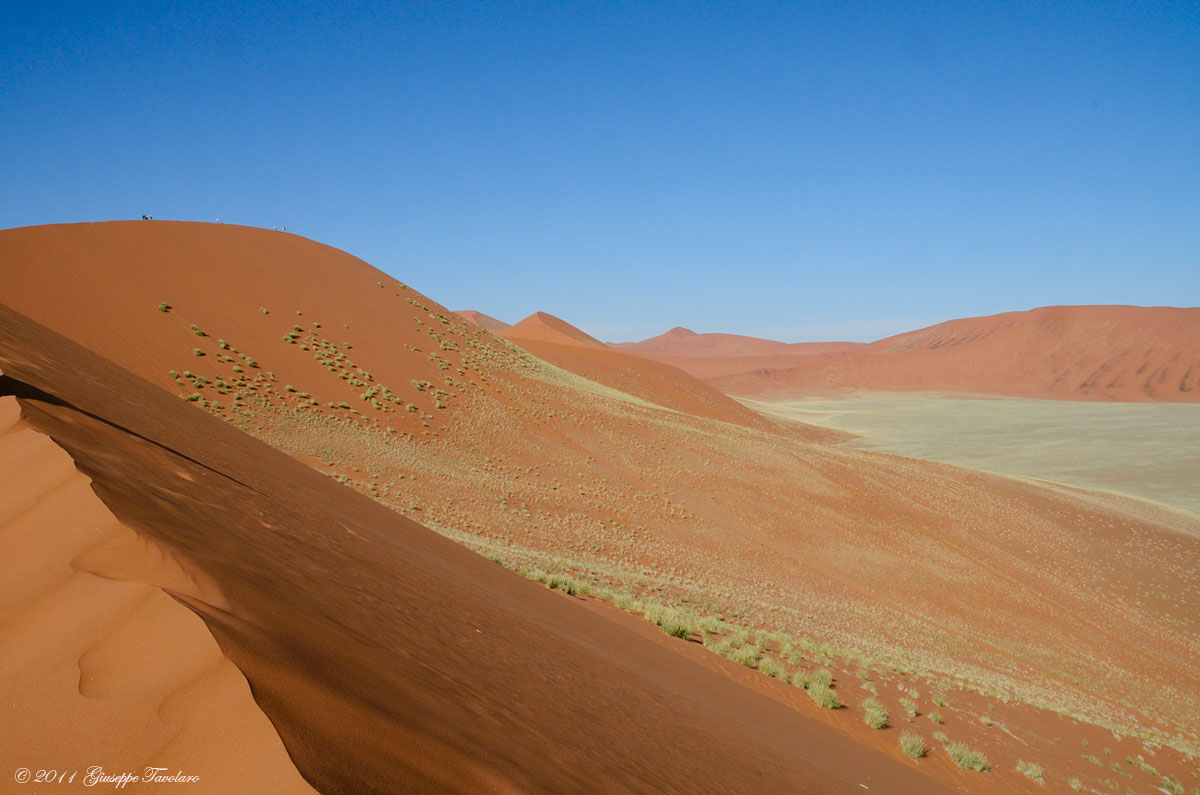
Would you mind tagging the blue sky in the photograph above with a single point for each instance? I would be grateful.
(790, 170)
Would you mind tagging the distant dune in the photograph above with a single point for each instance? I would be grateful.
(1117, 353)
(684, 342)
(483, 321)
(544, 327)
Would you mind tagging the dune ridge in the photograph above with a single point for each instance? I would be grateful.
(544, 327)
(483, 321)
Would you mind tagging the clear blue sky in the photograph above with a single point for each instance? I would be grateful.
(791, 170)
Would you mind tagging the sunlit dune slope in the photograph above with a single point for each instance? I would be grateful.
(543, 327)
(388, 658)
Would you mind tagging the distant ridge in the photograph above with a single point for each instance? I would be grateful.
(483, 321)
(1116, 353)
(545, 327)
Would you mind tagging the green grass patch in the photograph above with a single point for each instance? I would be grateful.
(966, 757)
(823, 696)
(875, 715)
(912, 744)
(1031, 770)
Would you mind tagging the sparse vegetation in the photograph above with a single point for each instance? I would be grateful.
(823, 696)
(1031, 770)
(936, 717)
(772, 667)
(939, 701)
(875, 715)
(1075, 784)
(912, 744)
(199, 332)
(1095, 760)
(966, 757)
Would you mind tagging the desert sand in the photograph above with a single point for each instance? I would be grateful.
(1113, 353)
(328, 419)
(483, 321)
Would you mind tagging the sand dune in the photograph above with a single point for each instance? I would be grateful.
(389, 658)
(682, 342)
(547, 328)
(98, 661)
(483, 321)
(1123, 353)
(567, 462)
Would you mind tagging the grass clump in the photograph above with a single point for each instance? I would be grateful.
(823, 696)
(936, 717)
(1031, 770)
(800, 679)
(164, 307)
(822, 677)
(967, 758)
(875, 715)
(676, 623)
(772, 667)
(910, 707)
(199, 332)
(197, 352)
(938, 701)
(192, 398)
(1093, 759)
(1075, 784)
(912, 744)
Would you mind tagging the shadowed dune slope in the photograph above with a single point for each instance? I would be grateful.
(98, 663)
(543, 327)
(483, 321)
(1124, 353)
(389, 658)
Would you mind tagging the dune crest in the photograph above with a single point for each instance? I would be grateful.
(544, 327)
(483, 321)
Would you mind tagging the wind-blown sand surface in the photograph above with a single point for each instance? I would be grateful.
(1144, 450)
(924, 575)
(99, 664)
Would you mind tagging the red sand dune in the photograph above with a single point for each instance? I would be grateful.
(388, 658)
(1121, 353)
(657, 383)
(483, 321)
(548, 328)
(355, 626)
(682, 342)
